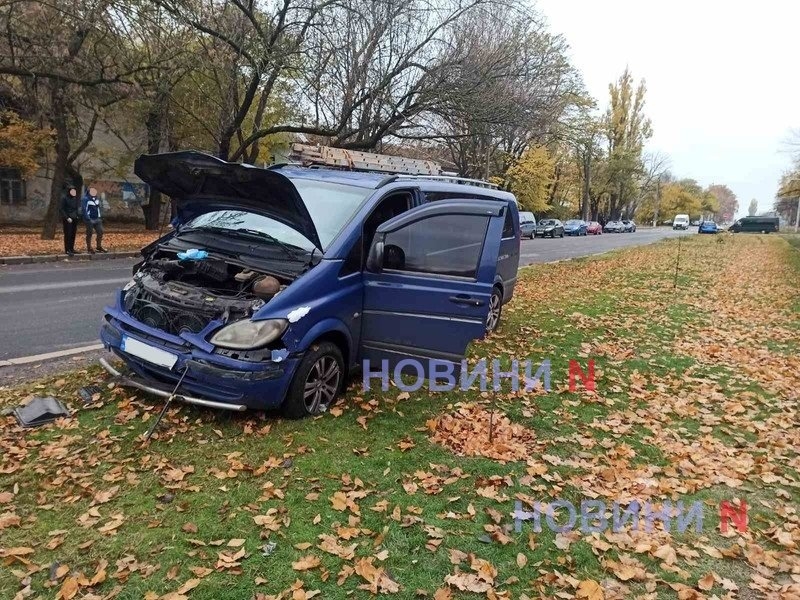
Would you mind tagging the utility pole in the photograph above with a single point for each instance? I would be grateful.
(797, 216)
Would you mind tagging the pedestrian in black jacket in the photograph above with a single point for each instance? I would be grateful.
(70, 203)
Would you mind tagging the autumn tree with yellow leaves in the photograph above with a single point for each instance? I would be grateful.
(530, 178)
(22, 143)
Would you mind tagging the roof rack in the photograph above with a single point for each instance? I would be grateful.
(395, 167)
(453, 179)
(355, 160)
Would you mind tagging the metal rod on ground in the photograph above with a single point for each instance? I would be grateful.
(166, 406)
(491, 423)
(677, 262)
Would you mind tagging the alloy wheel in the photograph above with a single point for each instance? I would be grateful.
(321, 385)
(494, 313)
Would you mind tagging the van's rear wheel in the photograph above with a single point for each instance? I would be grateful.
(495, 310)
(317, 382)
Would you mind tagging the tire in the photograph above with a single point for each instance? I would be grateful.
(323, 367)
(495, 310)
(562, 234)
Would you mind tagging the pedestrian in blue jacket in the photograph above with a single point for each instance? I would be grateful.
(93, 218)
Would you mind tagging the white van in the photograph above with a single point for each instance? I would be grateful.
(680, 222)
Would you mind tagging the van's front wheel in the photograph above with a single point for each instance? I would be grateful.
(316, 382)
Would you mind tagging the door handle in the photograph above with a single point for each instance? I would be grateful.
(467, 300)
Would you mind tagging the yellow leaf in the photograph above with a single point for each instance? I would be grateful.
(305, 563)
(590, 589)
(706, 582)
(68, 589)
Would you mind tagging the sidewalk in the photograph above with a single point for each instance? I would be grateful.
(21, 244)
(44, 258)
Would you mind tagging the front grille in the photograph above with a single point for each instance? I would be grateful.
(143, 307)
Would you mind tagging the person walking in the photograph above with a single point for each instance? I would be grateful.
(93, 219)
(69, 219)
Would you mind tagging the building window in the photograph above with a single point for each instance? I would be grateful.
(12, 187)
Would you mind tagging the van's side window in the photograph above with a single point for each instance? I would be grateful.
(352, 263)
(440, 245)
(508, 225)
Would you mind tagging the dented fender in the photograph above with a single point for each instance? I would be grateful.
(298, 339)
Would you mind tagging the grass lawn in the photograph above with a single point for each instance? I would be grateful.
(404, 495)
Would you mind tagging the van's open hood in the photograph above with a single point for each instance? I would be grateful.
(201, 183)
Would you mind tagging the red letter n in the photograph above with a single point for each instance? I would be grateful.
(728, 512)
(575, 371)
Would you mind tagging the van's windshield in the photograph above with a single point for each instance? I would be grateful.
(331, 206)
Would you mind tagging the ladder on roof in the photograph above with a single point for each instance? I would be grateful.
(354, 160)
(397, 166)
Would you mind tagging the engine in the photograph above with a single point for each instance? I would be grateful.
(183, 296)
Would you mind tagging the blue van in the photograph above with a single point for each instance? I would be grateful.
(276, 283)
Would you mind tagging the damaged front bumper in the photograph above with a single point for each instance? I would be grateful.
(211, 379)
(164, 393)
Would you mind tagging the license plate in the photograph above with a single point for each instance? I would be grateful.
(151, 354)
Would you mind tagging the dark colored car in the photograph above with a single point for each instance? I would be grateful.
(614, 227)
(549, 228)
(594, 228)
(276, 283)
(755, 225)
(707, 227)
(628, 226)
(575, 227)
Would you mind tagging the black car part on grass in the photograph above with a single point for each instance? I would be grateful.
(40, 411)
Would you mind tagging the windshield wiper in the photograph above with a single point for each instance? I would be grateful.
(263, 234)
(250, 233)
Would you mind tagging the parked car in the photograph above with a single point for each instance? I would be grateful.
(755, 225)
(276, 283)
(614, 227)
(594, 228)
(550, 227)
(707, 227)
(575, 227)
(527, 224)
(628, 226)
(680, 222)
(696, 223)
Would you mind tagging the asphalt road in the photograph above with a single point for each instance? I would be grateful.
(548, 250)
(55, 307)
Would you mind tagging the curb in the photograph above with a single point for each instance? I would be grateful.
(45, 258)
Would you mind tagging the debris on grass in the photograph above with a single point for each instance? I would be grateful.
(40, 411)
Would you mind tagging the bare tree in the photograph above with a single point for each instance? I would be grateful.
(510, 89)
(69, 60)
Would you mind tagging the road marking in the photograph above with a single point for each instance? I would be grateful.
(35, 287)
(49, 355)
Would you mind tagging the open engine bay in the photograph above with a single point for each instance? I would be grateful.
(183, 296)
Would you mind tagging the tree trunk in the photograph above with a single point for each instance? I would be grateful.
(152, 211)
(58, 120)
(587, 184)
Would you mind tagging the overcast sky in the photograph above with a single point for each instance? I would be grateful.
(723, 90)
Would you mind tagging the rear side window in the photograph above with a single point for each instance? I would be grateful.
(438, 245)
(508, 225)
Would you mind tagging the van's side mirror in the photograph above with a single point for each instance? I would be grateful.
(375, 258)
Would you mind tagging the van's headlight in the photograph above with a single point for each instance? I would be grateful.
(247, 334)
